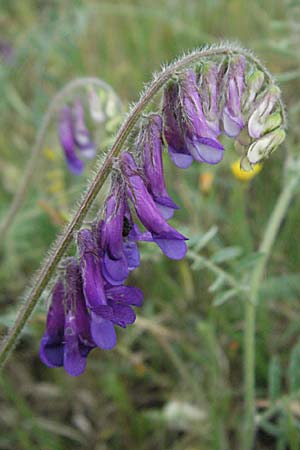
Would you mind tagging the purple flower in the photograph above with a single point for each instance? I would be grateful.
(232, 114)
(102, 330)
(209, 95)
(117, 236)
(108, 305)
(115, 266)
(171, 242)
(81, 133)
(151, 146)
(6, 51)
(177, 148)
(67, 340)
(67, 140)
(201, 140)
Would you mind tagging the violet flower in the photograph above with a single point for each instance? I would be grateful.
(173, 133)
(67, 340)
(232, 113)
(108, 305)
(117, 237)
(201, 140)
(102, 330)
(209, 95)
(115, 267)
(151, 146)
(67, 140)
(81, 133)
(171, 242)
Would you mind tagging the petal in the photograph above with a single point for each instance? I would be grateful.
(181, 160)
(206, 150)
(166, 206)
(125, 294)
(115, 271)
(132, 254)
(103, 332)
(56, 312)
(173, 248)
(165, 211)
(114, 221)
(232, 126)
(93, 287)
(123, 315)
(136, 235)
(66, 137)
(74, 362)
(51, 352)
(150, 143)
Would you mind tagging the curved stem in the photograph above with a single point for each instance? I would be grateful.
(63, 242)
(38, 145)
(265, 248)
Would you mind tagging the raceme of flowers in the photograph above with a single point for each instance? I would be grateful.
(74, 136)
(90, 297)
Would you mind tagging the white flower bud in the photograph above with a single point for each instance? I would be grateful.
(264, 146)
(266, 103)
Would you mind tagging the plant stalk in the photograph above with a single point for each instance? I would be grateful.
(270, 234)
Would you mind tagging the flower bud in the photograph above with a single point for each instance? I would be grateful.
(96, 109)
(232, 113)
(67, 140)
(257, 121)
(209, 93)
(253, 85)
(81, 133)
(264, 146)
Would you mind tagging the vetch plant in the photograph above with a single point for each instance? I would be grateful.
(207, 93)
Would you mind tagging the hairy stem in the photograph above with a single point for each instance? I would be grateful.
(63, 242)
(270, 234)
(38, 145)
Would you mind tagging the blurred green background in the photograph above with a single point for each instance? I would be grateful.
(175, 379)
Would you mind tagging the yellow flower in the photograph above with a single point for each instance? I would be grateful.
(50, 154)
(241, 174)
(206, 180)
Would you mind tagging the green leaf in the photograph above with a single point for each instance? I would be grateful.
(294, 369)
(274, 379)
(226, 254)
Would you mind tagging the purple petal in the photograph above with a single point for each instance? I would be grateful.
(115, 271)
(132, 254)
(74, 362)
(180, 159)
(173, 248)
(93, 287)
(125, 294)
(143, 201)
(232, 126)
(103, 332)
(56, 312)
(206, 150)
(114, 221)
(52, 351)
(166, 206)
(66, 137)
(123, 315)
(151, 144)
(232, 114)
(81, 133)
(136, 235)
(165, 211)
